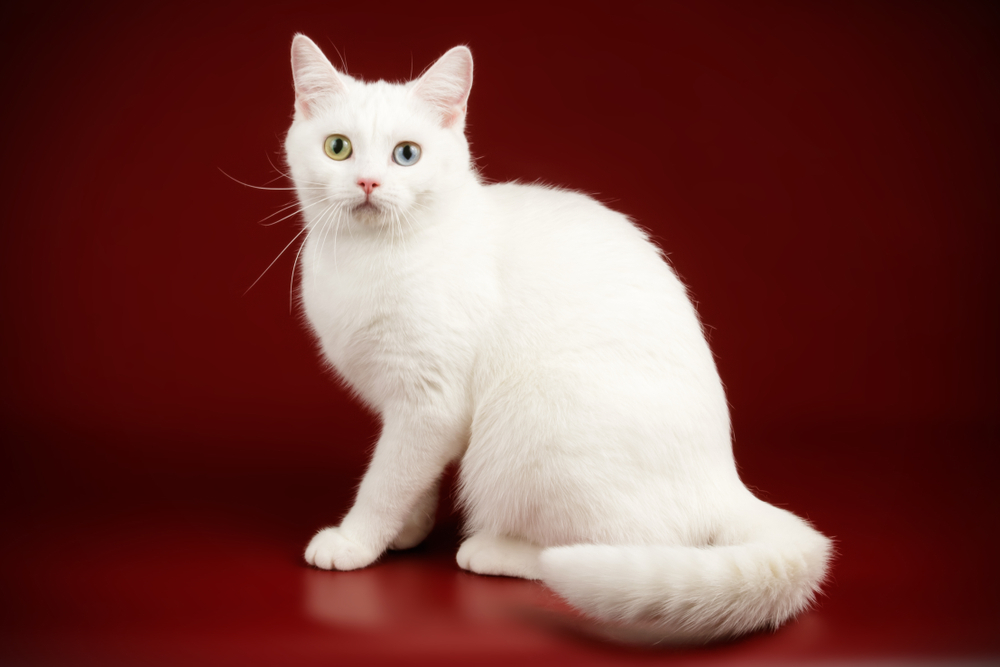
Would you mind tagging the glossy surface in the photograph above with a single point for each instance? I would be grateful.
(823, 177)
(214, 575)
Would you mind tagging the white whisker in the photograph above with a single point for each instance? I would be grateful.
(320, 225)
(301, 209)
(287, 175)
(291, 281)
(336, 233)
(334, 211)
(410, 220)
(258, 187)
(304, 229)
(278, 212)
(331, 216)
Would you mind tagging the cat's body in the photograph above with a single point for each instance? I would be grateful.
(541, 340)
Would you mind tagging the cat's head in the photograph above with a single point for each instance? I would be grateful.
(374, 154)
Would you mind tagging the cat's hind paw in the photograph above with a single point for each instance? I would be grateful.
(331, 550)
(504, 556)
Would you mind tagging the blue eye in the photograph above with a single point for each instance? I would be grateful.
(406, 154)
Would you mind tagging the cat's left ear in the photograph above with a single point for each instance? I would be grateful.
(446, 86)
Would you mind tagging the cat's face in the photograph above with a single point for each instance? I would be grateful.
(376, 154)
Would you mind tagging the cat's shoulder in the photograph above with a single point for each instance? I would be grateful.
(550, 207)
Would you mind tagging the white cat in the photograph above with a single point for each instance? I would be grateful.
(541, 340)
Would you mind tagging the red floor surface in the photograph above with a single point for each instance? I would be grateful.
(824, 177)
(211, 573)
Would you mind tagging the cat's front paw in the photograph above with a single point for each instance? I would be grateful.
(331, 550)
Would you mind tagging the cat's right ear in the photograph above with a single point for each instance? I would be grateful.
(315, 78)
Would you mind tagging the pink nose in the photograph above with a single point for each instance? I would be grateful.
(368, 184)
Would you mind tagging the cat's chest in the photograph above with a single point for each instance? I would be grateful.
(392, 322)
(364, 310)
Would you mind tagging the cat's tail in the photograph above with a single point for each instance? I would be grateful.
(696, 594)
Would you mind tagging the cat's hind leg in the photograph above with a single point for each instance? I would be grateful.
(505, 556)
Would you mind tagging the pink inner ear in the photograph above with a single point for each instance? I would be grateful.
(450, 118)
(446, 85)
(315, 78)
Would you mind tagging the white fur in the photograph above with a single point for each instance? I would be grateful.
(540, 339)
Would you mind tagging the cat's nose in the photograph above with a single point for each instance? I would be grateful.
(368, 184)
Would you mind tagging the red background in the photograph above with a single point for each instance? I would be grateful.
(824, 177)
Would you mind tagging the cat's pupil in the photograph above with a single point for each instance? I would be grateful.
(338, 145)
(407, 152)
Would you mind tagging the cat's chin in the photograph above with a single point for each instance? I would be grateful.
(368, 212)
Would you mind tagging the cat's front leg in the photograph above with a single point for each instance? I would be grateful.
(420, 522)
(401, 482)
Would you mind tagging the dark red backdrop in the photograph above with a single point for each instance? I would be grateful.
(824, 177)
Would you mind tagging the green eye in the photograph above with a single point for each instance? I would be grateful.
(337, 147)
(406, 154)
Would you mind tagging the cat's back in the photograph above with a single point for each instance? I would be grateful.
(585, 293)
(564, 254)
